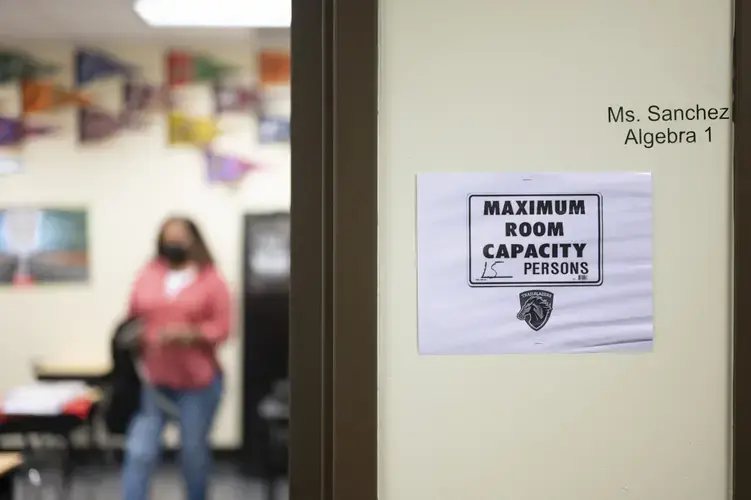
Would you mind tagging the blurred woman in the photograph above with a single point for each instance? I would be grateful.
(184, 305)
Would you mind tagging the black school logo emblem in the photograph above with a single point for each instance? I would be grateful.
(536, 308)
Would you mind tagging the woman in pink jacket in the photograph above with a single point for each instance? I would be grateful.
(184, 305)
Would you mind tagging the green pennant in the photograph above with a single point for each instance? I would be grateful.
(206, 69)
(15, 66)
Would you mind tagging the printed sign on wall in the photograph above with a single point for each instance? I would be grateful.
(543, 239)
(534, 263)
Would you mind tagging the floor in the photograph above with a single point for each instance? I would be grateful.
(104, 484)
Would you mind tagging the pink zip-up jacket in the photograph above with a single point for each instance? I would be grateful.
(203, 305)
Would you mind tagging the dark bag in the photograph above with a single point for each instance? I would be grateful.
(124, 393)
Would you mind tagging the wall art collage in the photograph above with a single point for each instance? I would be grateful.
(140, 99)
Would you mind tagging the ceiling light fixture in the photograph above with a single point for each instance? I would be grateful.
(215, 13)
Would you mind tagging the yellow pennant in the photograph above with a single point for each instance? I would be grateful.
(194, 131)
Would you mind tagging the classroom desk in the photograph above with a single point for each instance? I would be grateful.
(58, 425)
(9, 462)
(92, 373)
(77, 414)
(73, 416)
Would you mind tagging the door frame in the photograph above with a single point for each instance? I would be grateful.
(740, 424)
(333, 292)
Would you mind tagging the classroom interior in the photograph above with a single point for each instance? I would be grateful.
(92, 160)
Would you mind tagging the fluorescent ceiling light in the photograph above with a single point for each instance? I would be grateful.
(215, 13)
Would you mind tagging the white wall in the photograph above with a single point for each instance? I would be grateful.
(129, 185)
(524, 86)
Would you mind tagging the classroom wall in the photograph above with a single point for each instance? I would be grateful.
(129, 184)
(525, 86)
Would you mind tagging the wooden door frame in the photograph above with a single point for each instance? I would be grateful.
(741, 355)
(333, 297)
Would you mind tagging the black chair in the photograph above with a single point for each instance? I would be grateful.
(274, 411)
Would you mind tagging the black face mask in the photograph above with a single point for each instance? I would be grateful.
(174, 253)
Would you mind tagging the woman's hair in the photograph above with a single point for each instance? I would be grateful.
(199, 252)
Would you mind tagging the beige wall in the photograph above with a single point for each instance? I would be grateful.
(525, 86)
(129, 184)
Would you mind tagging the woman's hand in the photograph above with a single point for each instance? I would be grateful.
(178, 334)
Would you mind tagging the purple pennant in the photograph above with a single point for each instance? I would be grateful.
(95, 65)
(96, 124)
(14, 131)
(235, 99)
(226, 169)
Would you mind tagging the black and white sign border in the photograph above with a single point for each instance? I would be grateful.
(518, 284)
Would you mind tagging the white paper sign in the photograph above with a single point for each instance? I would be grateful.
(525, 263)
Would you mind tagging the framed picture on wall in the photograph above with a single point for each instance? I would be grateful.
(43, 246)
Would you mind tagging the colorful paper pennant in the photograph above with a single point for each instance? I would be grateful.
(274, 67)
(16, 66)
(185, 130)
(96, 124)
(92, 65)
(273, 130)
(226, 169)
(184, 68)
(13, 131)
(141, 97)
(44, 96)
(235, 99)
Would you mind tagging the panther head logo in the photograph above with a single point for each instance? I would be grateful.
(536, 308)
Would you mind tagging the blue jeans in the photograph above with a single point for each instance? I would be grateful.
(196, 408)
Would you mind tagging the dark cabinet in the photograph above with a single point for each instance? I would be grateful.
(265, 305)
